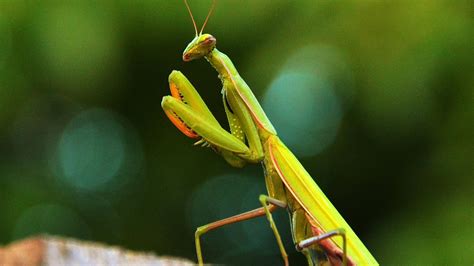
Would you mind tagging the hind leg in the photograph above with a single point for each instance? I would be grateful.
(302, 230)
(334, 253)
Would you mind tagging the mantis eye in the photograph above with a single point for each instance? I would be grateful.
(209, 40)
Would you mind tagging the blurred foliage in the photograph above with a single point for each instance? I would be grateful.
(375, 97)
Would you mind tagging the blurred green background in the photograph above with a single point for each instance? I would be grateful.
(375, 97)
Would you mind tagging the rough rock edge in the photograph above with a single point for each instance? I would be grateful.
(52, 251)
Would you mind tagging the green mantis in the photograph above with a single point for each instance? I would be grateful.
(318, 230)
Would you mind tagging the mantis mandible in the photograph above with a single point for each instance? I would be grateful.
(318, 230)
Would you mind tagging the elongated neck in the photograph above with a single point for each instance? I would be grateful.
(222, 63)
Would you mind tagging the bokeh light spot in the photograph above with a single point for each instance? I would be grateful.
(302, 103)
(304, 110)
(91, 150)
(327, 63)
(51, 219)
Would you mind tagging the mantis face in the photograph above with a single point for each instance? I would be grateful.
(199, 47)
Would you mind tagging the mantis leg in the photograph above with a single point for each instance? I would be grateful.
(301, 230)
(188, 112)
(234, 219)
(334, 253)
(265, 201)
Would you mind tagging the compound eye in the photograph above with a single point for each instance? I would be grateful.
(209, 40)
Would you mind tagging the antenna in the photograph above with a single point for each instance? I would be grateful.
(192, 18)
(208, 15)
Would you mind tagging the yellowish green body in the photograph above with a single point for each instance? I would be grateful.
(318, 230)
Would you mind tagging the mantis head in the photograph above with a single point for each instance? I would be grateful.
(202, 44)
(199, 47)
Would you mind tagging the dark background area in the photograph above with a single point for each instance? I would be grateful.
(374, 97)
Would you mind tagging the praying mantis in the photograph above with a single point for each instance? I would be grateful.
(318, 230)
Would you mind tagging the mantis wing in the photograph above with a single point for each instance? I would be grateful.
(303, 188)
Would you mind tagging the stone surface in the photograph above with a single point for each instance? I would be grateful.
(52, 251)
